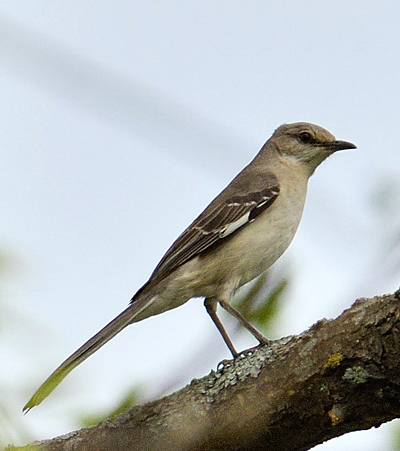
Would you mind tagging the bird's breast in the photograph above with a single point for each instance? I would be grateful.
(244, 254)
(258, 245)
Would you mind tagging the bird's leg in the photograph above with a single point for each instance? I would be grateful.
(256, 334)
(211, 305)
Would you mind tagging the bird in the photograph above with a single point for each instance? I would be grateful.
(238, 236)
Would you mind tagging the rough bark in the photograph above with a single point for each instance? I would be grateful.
(339, 376)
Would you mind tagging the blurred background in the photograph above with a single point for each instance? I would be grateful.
(120, 121)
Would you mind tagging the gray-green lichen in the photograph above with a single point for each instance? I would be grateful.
(356, 375)
(230, 372)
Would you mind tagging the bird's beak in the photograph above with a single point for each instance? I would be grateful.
(341, 145)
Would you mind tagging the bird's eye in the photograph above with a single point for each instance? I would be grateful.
(306, 137)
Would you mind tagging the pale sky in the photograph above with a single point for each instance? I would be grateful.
(121, 120)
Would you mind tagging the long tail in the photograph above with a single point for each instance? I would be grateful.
(87, 349)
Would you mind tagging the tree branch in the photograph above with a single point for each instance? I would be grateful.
(339, 376)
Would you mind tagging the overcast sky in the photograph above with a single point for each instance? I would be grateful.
(121, 120)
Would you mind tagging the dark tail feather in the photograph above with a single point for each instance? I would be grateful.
(86, 350)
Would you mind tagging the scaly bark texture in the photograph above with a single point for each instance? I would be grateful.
(339, 376)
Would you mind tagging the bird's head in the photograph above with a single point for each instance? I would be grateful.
(306, 144)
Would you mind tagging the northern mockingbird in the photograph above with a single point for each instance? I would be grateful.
(238, 236)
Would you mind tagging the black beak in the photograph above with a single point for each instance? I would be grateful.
(342, 145)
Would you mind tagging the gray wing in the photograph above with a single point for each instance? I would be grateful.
(217, 222)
